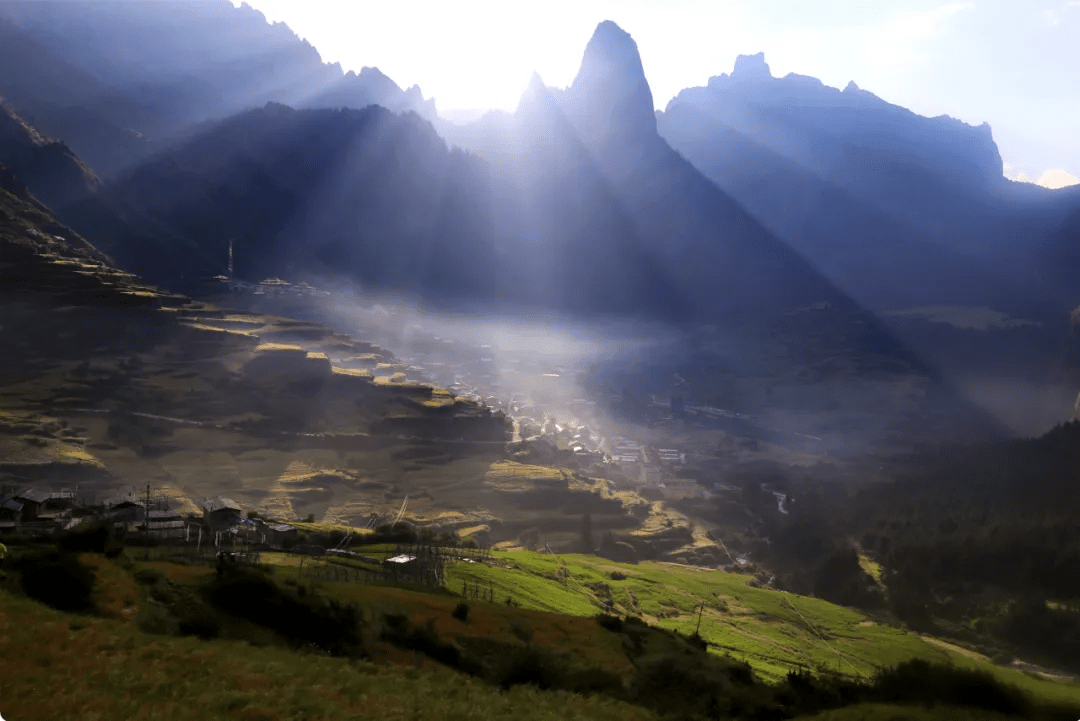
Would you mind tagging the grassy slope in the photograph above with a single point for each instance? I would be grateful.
(110, 669)
(103, 668)
(771, 630)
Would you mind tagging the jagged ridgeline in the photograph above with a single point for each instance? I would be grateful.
(118, 80)
(572, 205)
(895, 207)
(580, 207)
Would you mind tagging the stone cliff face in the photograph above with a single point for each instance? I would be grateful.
(610, 99)
(850, 136)
(52, 172)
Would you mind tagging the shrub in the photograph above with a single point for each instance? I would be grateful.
(805, 693)
(155, 617)
(594, 680)
(461, 612)
(919, 681)
(306, 618)
(611, 623)
(149, 576)
(183, 611)
(57, 580)
(399, 630)
(90, 539)
(678, 686)
(530, 665)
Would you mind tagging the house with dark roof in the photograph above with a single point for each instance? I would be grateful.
(58, 502)
(166, 525)
(32, 500)
(10, 515)
(220, 514)
(125, 509)
(280, 534)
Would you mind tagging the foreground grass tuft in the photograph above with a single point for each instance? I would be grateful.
(106, 669)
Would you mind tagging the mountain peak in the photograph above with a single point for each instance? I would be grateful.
(751, 67)
(536, 98)
(610, 94)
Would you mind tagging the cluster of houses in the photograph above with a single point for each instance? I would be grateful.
(633, 457)
(274, 287)
(626, 451)
(34, 511)
(671, 457)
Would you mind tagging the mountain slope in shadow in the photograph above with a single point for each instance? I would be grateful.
(575, 207)
(118, 79)
(899, 209)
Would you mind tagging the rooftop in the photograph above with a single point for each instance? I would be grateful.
(33, 495)
(211, 505)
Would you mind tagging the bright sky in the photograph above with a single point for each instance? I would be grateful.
(1012, 63)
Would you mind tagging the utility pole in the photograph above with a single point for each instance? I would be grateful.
(698, 629)
(146, 521)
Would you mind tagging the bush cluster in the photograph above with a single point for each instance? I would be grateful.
(399, 630)
(56, 579)
(176, 609)
(300, 615)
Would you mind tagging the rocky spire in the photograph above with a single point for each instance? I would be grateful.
(751, 67)
(610, 98)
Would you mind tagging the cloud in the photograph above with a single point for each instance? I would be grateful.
(1052, 178)
(1057, 178)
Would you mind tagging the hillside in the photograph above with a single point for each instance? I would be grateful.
(108, 377)
(607, 221)
(110, 384)
(910, 215)
(117, 80)
(506, 658)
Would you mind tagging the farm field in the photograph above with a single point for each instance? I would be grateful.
(773, 631)
(111, 668)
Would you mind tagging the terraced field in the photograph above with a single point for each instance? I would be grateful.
(774, 631)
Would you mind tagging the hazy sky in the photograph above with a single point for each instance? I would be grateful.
(1012, 63)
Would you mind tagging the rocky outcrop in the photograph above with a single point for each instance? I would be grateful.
(48, 167)
(610, 100)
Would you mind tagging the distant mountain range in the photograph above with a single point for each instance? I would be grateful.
(118, 80)
(897, 208)
(909, 215)
(774, 211)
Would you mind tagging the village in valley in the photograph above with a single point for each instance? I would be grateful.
(222, 534)
(140, 518)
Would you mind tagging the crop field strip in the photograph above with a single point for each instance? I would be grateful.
(761, 626)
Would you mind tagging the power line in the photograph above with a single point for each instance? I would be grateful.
(839, 655)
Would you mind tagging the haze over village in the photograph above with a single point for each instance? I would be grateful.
(696, 360)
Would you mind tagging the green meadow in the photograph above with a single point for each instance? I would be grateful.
(775, 632)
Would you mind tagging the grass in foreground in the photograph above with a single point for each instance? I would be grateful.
(98, 668)
(110, 668)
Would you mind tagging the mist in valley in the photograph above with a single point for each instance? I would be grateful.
(793, 338)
